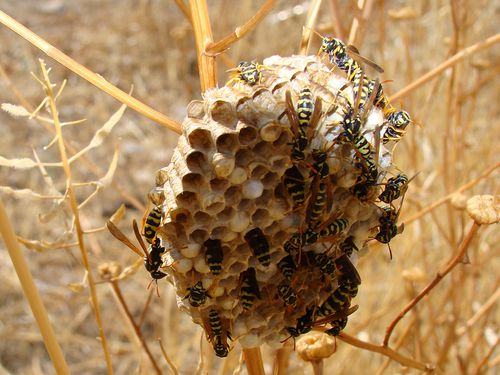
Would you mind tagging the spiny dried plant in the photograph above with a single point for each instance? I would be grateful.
(444, 322)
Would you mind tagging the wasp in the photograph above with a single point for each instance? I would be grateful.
(214, 255)
(295, 185)
(151, 224)
(304, 324)
(217, 334)
(347, 270)
(249, 290)
(342, 55)
(394, 188)
(336, 327)
(152, 256)
(318, 203)
(247, 72)
(396, 122)
(348, 246)
(340, 299)
(302, 121)
(323, 261)
(287, 266)
(197, 295)
(259, 245)
(333, 228)
(287, 295)
(388, 228)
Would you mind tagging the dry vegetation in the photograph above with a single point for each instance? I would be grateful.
(151, 45)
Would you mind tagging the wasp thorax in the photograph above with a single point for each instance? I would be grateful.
(272, 189)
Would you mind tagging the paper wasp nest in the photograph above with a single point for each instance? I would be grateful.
(226, 178)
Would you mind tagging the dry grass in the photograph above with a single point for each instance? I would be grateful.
(451, 321)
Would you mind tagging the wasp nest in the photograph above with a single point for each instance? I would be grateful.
(270, 189)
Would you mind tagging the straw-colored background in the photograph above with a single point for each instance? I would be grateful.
(150, 45)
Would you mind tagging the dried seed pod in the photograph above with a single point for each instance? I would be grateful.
(484, 209)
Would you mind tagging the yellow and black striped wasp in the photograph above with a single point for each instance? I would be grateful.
(247, 72)
(348, 246)
(287, 266)
(396, 124)
(197, 295)
(217, 333)
(388, 226)
(287, 294)
(151, 255)
(395, 187)
(249, 289)
(257, 242)
(214, 255)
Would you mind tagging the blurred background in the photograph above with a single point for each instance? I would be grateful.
(149, 45)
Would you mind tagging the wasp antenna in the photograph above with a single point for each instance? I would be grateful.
(314, 31)
(139, 238)
(118, 234)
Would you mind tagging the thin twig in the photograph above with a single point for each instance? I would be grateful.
(464, 187)
(388, 352)
(480, 312)
(253, 361)
(337, 24)
(203, 37)
(88, 75)
(358, 23)
(440, 275)
(76, 215)
(484, 360)
(238, 33)
(466, 52)
(184, 9)
(137, 330)
(31, 292)
(312, 15)
(167, 358)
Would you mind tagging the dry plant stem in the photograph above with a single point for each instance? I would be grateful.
(312, 15)
(484, 360)
(337, 25)
(137, 330)
(184, 9)
(76, 215)
(317, 367)
(167, 358)
(442, 273)
(31, 292)
(88, 75)
(253, 361)
(439, 202)
(223, 44)
(482, 310)
(466, 52)
(358, 23)
(401, 339)
(203, 37)
(281, 360)
(384, 350)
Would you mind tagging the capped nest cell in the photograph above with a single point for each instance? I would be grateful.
(273, 187)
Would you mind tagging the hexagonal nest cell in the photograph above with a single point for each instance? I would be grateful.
(270, 192)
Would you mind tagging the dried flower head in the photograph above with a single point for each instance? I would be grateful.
(315, 346)
(484, 209)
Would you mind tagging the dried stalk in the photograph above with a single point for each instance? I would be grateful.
(220, 46)
(203, 37)
(388, 352)
(117, 292)
(184, 9)
(312, 15)
(466, 52)
(76, 214)
(358, 23)
(253, 360)
(480, 312)
(88, 75)
(440, 275)
(336, 20)
(446, 198)
(167, 358)
(31, 292)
